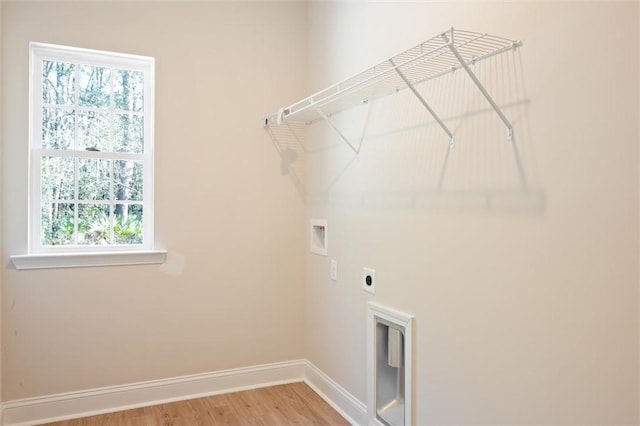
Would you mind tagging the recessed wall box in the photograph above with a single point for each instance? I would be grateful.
(319, 236)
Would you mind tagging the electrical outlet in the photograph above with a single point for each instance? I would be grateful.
(369, 280)
(334, 270)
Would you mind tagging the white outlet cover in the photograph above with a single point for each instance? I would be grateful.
(369, 280)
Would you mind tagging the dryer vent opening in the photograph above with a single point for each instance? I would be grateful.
(389, 367)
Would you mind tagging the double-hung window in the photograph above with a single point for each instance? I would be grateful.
(91, 151)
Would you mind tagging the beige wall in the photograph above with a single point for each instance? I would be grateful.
(233, 224)
(526, 307)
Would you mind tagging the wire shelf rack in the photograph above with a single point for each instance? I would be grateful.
(442, 54)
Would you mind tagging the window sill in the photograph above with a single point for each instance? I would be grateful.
(83, 260)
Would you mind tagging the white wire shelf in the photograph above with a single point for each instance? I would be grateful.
(440, 55)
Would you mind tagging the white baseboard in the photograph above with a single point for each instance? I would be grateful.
(116, 398)
(350, 407)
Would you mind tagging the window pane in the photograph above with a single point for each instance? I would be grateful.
(56, 181)
(127, 226)
(93, 224)
(129, 90)
(94, 177)
(58, 128)
(129, 133)
(57, 224)
(128, 180)
(58, 82)
(93, 130)
(95, 86)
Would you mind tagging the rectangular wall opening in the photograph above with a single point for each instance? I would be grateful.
(389, 401)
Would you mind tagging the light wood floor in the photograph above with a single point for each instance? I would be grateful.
(292, 404)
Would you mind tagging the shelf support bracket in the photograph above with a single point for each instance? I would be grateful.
(484, 92)
(343, 137)
(424, 102)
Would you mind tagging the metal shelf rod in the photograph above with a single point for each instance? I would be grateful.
(484, 92)
(333, 126)
(424, 102)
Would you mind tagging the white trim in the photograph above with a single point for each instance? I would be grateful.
(93, 57)
(80, 260)
(90, 402)
(42, 152)
(350, 407)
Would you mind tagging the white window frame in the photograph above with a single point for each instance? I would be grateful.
(40, 256)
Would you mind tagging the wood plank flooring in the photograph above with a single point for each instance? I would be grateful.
(291, 404)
